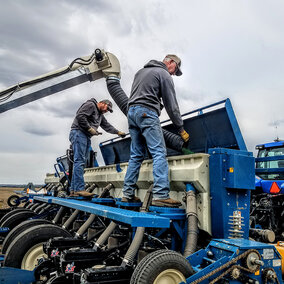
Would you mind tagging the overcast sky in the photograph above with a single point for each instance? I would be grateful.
(229, 49)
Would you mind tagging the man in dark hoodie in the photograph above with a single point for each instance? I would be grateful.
(152, 84)
(88, 118)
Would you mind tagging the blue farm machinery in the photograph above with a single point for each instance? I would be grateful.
(54, 238)
(267, 202)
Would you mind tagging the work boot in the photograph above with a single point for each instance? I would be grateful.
(134, 199)
(169, 202)
(84, 193)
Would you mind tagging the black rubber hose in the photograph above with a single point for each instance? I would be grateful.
(39, 208)
(192, 224)
(139, 234)
(135, 244)
(92, 217)
(104, 236)
(35, 205)
(172, 140)
(85, 226)
(58, 215)
(70, 220)
(117, 93)
(46, 208)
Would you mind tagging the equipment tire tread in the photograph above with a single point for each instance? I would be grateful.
(157, 262)
(19, 229)
(27, 239)
(17, 218)
(7, 215)
(141, 265)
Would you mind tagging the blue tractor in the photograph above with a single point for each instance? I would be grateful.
(267, 202)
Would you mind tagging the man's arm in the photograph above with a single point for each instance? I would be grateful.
(106, 126)
(170, 102)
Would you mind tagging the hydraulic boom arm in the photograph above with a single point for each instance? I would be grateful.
(100, 64)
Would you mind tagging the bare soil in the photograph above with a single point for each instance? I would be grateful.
(5, 193)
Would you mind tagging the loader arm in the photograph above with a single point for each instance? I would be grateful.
(98, 65)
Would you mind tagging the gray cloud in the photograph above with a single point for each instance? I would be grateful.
(38, 130)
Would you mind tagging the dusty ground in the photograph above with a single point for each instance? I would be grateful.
(5, 192)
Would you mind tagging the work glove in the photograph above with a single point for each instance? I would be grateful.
(184, 135)
(121, 134)
(93, 131)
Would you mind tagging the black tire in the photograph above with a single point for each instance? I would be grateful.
(4, 211)
(155, 264)
(19, 229)
(14, 211)
(12, 200)
(17, 218)
(28, 239)
(141, 265)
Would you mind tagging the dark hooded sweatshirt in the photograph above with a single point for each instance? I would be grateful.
(88, 115)
(152, 84)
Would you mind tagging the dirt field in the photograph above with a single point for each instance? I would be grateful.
(5, 192)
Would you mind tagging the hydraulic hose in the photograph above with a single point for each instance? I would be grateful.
(104, 236)
(36, 205)
(92, 217)
(92, 187)
(106, 190)
(37, 209)
(135, 244)
(85, 226)
(139, 234)
(70, 220)
(58, 215)
(45, 209)
(172, 140)
(30, 205)
(192, 221)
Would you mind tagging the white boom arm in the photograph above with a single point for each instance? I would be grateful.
(100, 64)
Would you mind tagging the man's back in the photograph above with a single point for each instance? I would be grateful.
(146, 88)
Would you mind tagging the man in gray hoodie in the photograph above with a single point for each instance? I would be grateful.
(88, 118)
(152, 85)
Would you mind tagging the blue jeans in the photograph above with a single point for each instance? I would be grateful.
(144, 125)
(80, 145)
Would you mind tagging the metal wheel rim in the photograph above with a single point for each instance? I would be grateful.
(30, 259)
(13, 201)
(170, 276)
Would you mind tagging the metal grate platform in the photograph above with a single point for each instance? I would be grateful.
(135, 219)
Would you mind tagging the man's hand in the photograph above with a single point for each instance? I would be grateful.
(184, 135)
(93, 131)
(121, 134)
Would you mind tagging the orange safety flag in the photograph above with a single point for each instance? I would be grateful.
(274, 188)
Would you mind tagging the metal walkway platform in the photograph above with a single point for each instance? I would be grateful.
(135, 219)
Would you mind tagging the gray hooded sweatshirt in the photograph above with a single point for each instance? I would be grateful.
(88, 115)
(153, 83)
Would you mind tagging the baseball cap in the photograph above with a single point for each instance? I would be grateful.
(177, 60)
(109, 105)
